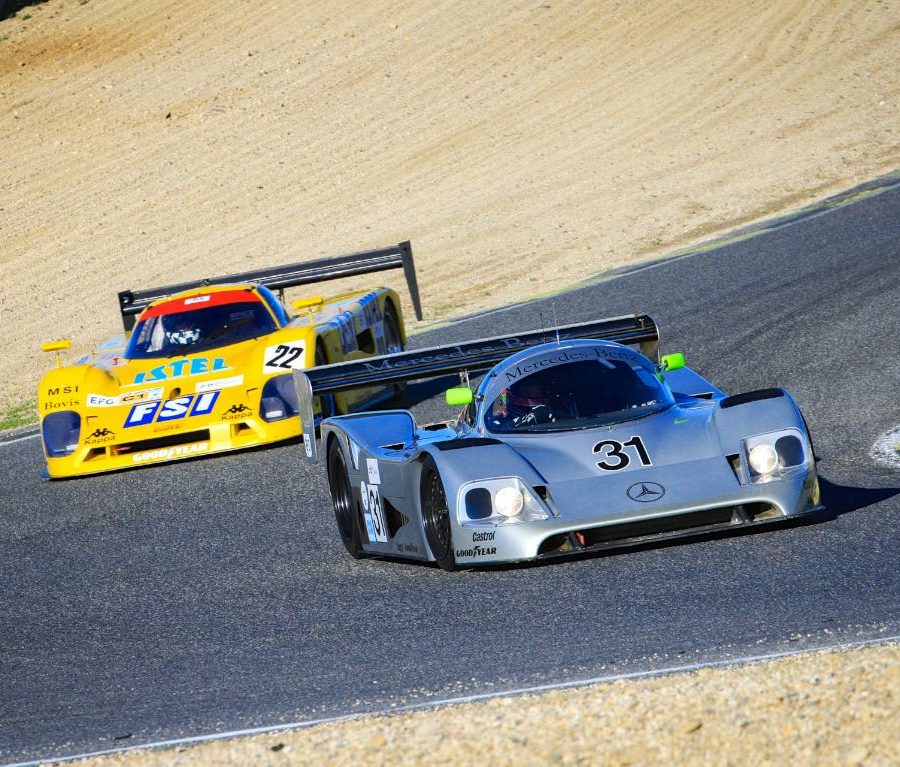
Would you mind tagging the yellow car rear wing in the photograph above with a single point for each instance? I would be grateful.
(133, 302)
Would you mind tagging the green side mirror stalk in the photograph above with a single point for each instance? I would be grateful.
(461, 395)
(672, 361)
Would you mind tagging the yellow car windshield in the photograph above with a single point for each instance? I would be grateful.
(196, 330)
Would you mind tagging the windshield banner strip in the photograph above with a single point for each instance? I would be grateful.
(203, 301)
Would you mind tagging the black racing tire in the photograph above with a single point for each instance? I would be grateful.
(436, 517)
(329, 403)
(393, 338)
(345, 512)
(393, 341)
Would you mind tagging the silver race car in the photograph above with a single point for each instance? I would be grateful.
(578, 438)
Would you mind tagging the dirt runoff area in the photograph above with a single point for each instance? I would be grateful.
(830, 708)
(521, 146)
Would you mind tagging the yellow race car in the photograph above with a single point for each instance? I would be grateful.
(205, 367)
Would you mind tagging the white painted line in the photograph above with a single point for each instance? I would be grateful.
(19, 439)
(461, 699)
(886, 449)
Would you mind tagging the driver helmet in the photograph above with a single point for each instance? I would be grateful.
(184, 333)
(528, 393)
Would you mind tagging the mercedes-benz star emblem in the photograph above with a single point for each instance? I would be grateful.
(645, 492)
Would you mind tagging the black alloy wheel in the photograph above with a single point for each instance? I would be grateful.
(436, 516)
(393, 340)
(342, 497)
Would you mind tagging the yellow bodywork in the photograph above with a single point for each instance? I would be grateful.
(143, 411)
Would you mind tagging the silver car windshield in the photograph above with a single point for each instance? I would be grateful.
(579, 395)
(189, 332)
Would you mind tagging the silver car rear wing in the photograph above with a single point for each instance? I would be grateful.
(133, 302)
(472, 356)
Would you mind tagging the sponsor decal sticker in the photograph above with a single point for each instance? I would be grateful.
(64, 405)
(307, 445)
(145, 395)
(219, 383)
(237, 413)
(58, 391)
(182, 369)
(182, 407)
(196, 300)
(168, 453)
(486, 536)
(476, 551)
(452, 353)
(374, 476)
(98, 400)
(100, 437)
(570, 356)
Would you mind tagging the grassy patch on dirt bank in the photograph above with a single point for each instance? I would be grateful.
(17, 415)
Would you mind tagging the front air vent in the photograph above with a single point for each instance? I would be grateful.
(734, 461)
(750, 396)
(394, 517)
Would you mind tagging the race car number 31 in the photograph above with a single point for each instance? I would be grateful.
(615, 457)
(373, 511)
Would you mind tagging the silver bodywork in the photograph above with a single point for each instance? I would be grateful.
(695, 477)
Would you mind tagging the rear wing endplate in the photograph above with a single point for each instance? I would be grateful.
(133, 302)
(633, 330)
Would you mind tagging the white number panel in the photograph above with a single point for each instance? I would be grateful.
(285, 357)
(373, 511)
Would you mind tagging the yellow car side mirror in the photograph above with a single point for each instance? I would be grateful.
(308, 303)
(57, 346)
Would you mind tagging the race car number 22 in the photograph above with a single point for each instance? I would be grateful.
(283, 357)
(615, 457)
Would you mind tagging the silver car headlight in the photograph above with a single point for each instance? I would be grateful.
(776, 455)
(501, 501)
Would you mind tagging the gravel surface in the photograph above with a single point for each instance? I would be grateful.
(520, 145)
(836, 707)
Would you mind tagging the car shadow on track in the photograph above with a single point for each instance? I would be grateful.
(843, 499)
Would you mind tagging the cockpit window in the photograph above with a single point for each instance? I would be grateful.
(578, 395)
(168, 330)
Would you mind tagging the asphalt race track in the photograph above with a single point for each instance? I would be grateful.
(215, 595)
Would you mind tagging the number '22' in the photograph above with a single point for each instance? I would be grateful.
(615, 457)
(284, 356)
